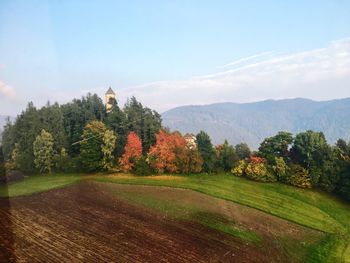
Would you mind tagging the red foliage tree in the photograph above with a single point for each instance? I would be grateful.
(132, 152)
(162, 155)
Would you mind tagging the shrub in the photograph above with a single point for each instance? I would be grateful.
(280, 169)
(239, 169)
(142, 167)
(257, 170)
(299, 177)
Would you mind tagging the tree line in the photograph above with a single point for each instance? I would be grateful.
(81, 137)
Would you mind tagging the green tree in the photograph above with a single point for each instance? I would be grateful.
(311, 150)
(2, 163)
(16, 156)
(108, 147)
(188, 160)
(144, 121)
(91, 154)
(77, 114)
(62, 161)
(276, 146)
(116, 120)
(243, 151)
(43, 152)
(280, 169)
(226, 157)
(206, 150)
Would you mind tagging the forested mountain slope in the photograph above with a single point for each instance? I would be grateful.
(252, 122)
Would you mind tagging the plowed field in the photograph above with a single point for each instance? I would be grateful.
(84, 223)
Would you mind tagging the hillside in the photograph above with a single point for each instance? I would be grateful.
(252, 122)
(200, 214)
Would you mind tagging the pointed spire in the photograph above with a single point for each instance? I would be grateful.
(110, 91)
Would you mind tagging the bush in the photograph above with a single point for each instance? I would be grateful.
(257, 170)
(280, 169)
(299, 177)
(239, 169)
(142, 168)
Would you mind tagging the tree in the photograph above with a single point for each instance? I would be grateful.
(343, 184)
(206, 150)
(299, 177)
(62, 161)
(107, 148)
(143, 121)
(43, 151)
(342, 145)
(132, 152)
(142, 167)
(311, 150)
(116, 120)
(188, 160)
(162, 155)
(91, 154)
(2, 163)
(280, 169)
(243, 151)
(77, 114)
(226, 157)
(257, 170)
(239, 169)
(276, 146)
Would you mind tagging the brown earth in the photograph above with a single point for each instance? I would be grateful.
(85, 223)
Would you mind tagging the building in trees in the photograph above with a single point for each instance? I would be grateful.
(110, 100)
(191, 141)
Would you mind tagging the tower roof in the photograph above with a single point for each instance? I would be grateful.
(110, 91)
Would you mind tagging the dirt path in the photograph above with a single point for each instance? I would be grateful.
(85, 224)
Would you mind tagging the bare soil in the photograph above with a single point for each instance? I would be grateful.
(85, 223)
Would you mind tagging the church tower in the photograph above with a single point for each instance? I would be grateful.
(110, 99)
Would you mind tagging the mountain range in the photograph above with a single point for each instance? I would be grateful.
(252, 122)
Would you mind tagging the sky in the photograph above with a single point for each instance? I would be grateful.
(173, 53)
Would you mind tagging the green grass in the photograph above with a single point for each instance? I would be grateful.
(37, 184)
(313, 209)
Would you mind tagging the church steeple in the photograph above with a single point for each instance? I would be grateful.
(110, 99)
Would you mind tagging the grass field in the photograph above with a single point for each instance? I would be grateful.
(37, 184)
(313, 209)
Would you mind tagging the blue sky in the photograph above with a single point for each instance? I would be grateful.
(156, 50)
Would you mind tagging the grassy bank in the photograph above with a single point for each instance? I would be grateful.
(37, 184)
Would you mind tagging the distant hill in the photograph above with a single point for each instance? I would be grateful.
(252, 122)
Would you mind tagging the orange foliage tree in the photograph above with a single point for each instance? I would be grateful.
(162, 155)
(132, 152)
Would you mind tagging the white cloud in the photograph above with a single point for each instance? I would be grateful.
(7, 91)
(318, 74)
(247, 59)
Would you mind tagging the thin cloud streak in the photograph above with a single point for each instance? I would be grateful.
(319, 74)
(246, 59)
